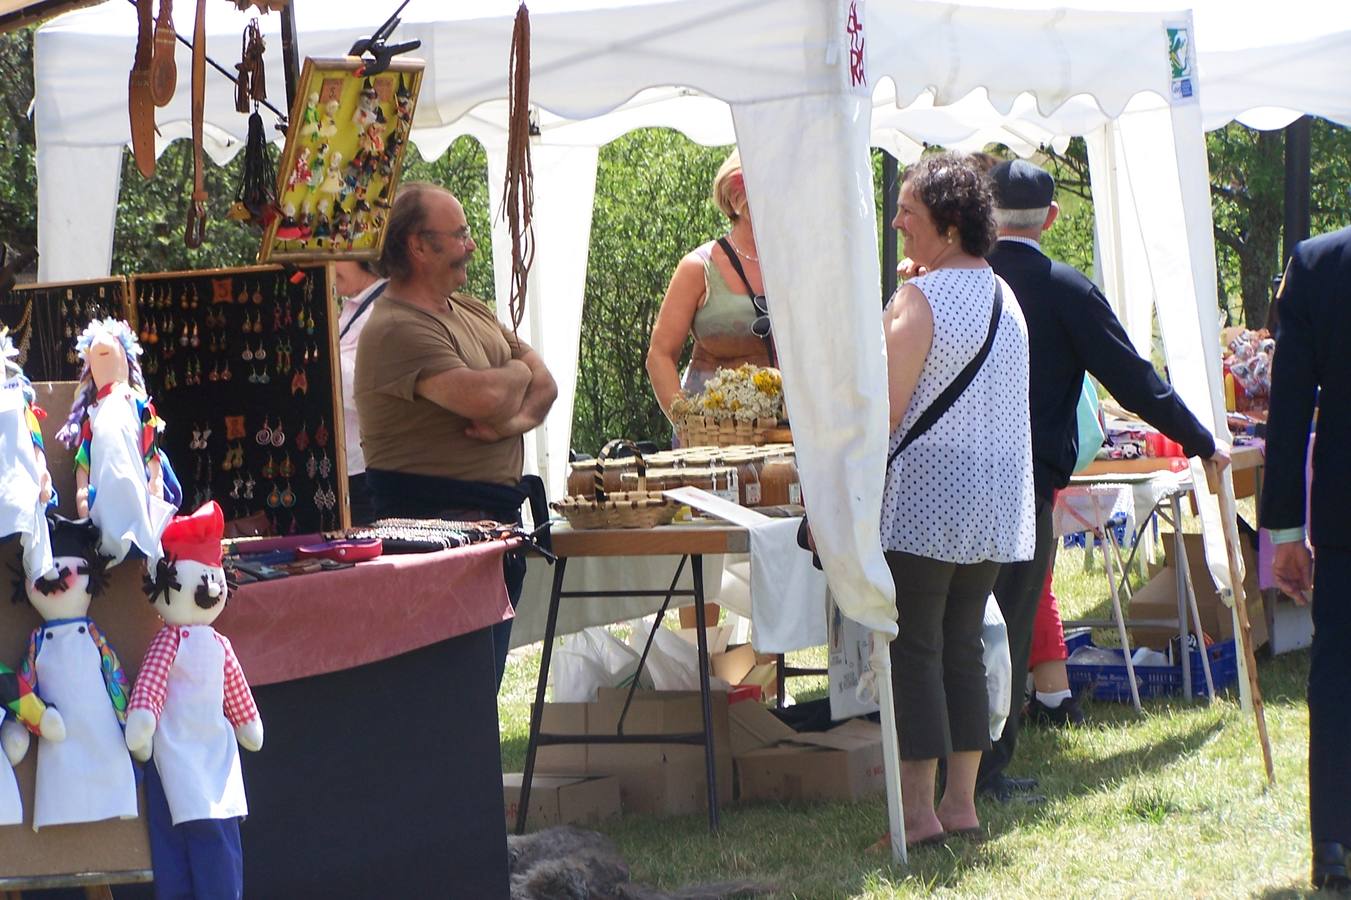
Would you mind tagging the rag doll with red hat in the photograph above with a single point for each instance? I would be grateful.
(190, 709)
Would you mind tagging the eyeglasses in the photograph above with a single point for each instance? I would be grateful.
(760, 327)
(461, 234)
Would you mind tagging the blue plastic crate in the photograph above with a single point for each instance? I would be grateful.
(1111, 681)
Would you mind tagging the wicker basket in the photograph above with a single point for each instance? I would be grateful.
(706, 431)
(632, 509)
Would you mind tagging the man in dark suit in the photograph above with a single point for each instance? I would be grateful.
(1070, 329)
(1313, 366)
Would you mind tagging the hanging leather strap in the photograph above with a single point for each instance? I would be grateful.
(196, 225)
(163, 69)
(140, 103)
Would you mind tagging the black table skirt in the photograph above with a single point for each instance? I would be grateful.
(379, 781)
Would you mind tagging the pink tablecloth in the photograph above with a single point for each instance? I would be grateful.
(313, 624)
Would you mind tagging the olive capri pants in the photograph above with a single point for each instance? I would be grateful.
(937, 660)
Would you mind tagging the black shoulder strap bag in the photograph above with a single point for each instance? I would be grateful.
(936, 410)
(758, 308)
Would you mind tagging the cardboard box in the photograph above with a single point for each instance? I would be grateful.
(563, 718)
(733, 665)
(1158, 598)
(562, 799)
(666, 779)
(844, 763)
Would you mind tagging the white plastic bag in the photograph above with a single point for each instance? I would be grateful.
(998, 666)
(589, 660)
(673, 662)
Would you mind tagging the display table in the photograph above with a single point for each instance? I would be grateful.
(380, 774)
(381, 771)
(1158, 490)
(690, 543)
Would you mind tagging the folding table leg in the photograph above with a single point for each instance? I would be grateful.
(537, 711)
(1181, 577)
(1120, 621)
(697, 570)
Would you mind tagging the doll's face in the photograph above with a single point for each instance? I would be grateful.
(198, 584)
(68, 600)
(107, 360)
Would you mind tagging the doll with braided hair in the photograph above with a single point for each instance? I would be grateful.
(123, 480)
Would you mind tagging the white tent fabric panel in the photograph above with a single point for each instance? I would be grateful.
(565, 188)
(817, 245)
(955, 48)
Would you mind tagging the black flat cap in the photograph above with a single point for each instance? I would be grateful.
(1019, 184)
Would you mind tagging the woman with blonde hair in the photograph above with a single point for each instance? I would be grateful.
(717, 295)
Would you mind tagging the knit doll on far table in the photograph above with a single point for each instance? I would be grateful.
(124, 481)
(190, 709)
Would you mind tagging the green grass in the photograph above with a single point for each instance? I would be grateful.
(1169, 804)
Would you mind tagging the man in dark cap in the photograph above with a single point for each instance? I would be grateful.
(1310, 382)
(1070, 328)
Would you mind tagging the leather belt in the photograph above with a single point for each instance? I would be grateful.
(163, 70)
(140, 105)
(196, 224)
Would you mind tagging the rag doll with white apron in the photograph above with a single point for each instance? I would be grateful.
(123, 480)
(87, 777)
(190, 710)
(25, 485)
(20, 712)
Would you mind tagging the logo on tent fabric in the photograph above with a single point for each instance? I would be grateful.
(1180, 63)
(858, 75)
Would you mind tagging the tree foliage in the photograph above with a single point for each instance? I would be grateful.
(653, 205)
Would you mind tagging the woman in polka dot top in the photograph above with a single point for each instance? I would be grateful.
(958, 500)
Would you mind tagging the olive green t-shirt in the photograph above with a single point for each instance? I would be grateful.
(404, 432)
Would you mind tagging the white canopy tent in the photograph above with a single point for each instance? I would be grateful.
(801, 113)
(794, 80)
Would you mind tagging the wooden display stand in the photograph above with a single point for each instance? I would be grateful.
(206, 305)
(97, 853)
(46, 319)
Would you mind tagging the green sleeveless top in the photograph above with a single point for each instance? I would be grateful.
(721, 328)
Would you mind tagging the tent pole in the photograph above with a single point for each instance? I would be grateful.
(289, 53)
(891, 745)
(1298, 146)
(889, 193)
(1243, 631)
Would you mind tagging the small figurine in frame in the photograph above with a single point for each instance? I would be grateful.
(346, 145)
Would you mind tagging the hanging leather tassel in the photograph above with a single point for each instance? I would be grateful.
(251, 85)
(256, 200)
(518, 198)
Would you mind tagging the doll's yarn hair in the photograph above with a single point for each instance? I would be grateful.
(163, 580)
(86, 391)
(9, 355)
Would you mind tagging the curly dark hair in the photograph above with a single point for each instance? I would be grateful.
(957, 195)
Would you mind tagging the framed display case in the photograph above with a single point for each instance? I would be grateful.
(343, 157)
(242, 366)
(45, 320)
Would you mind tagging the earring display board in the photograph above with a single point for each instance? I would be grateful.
(242, 367)
(46, 319)
(343, 157)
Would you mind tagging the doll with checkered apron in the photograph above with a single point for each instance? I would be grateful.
(190, 711)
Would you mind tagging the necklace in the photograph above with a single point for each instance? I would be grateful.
(739, 252)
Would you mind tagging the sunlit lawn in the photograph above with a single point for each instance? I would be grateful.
(1171, 804)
